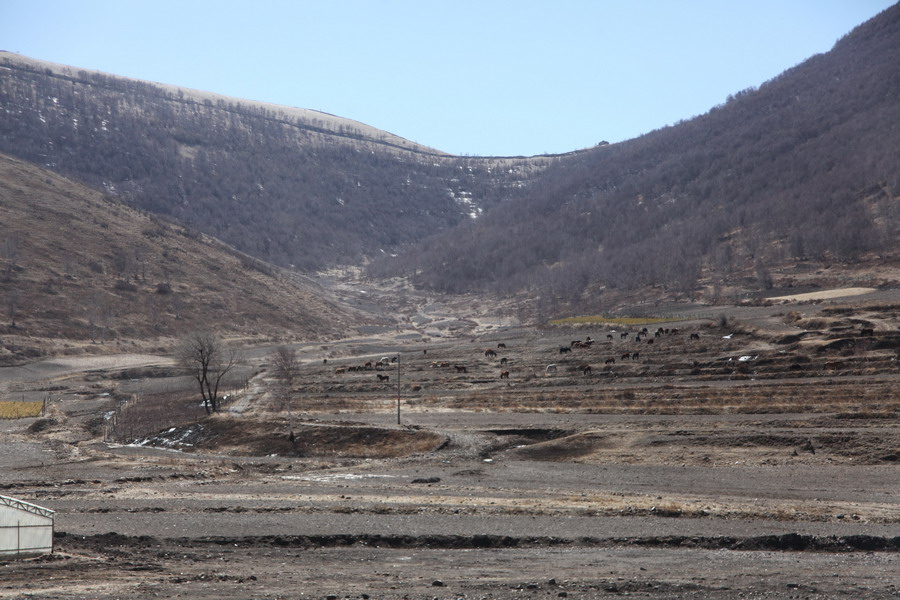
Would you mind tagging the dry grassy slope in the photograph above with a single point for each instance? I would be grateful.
(70, 258)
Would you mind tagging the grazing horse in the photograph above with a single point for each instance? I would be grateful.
(503, 360)
(610, 361)
(586, 369)
(695, 336)
(460, 369)
(383, 377)
(551, 369)
(564, 349)
(623, 335)
(609, 336)
(490, 353)
(501, 345)
(626, 356)
(504, 375)
(635, 355)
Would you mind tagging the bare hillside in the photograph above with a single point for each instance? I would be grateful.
(79, 269)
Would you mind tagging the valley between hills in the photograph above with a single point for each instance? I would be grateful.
(665, 368)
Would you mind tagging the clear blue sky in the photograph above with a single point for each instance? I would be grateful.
(476, 77)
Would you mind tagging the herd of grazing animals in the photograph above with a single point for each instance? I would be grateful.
(581, 350)
(536, 358)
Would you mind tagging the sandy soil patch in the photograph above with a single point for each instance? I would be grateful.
(825, 294)
(116, 361)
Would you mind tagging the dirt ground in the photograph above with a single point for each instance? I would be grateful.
(754, 458)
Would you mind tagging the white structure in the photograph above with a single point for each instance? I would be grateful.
(25, 529)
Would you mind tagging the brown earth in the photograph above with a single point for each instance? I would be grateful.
(82, 273)
(758, 460)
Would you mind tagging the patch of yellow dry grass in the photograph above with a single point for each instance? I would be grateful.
(20, 410)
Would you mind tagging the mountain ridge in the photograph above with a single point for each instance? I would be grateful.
(307, 116)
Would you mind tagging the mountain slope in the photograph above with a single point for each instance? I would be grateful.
(290, 186)
(801, 170)
(80, 268)
(805, 167)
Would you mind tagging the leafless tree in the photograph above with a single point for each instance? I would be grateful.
(99, 317)
(286, 368)
(285, 364)
(208, 359)
(11, 249)
(12, 306)
(123, 263)
(764, 276)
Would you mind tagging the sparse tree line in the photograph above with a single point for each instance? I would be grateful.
(268, 185)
